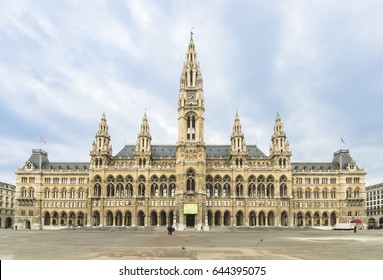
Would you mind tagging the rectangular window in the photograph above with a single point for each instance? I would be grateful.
(324, 181)
(316, 181)
(348, 180)
(56, 180)
(307, 180)
(332, 181)
(356, 180)
(24, 179)
(47, 180)
(31, 180)
(73, 180)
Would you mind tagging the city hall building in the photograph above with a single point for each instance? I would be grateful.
(188, 183)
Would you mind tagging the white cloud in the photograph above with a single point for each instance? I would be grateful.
(317, 63)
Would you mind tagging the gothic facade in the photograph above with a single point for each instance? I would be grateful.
(190, 184)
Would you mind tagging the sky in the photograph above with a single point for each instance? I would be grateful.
(319, 64)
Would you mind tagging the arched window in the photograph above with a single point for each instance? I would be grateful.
(209, 186)
(270, 187)
(190, 181)
(261, 186)
(324, 194)
(154, 186)
(226, 186)
(163, 186)
(46, 193)
(283, 186)
(307, 193)
(252, 187)
(31, 192)
(217, 186)
(129, 186)
(239, 186)
(141, 185)
(172, 185)
(190, 124)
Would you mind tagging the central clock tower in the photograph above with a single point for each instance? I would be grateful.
(191, 157)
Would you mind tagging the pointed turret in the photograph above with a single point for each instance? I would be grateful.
(101, 152)
(238, 149)
(238, 144)
(280, 148)
(143, 146)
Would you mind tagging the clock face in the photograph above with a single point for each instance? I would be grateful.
(191, 96)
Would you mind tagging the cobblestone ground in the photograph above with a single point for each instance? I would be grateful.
(225, 244)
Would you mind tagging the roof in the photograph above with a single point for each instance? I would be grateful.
(7, 186)
(341, 160)
(224, 151)
(170, 151)
(40, 157)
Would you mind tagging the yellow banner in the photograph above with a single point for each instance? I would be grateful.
(190, 208)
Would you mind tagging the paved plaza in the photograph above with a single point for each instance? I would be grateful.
(229, 244)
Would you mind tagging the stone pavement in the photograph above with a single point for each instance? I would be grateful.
(266, 243)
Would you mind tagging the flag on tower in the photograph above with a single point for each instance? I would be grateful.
(341, 139)
(42, 140)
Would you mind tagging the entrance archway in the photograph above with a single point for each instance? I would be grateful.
(96, 219)
(141, 218)
(8, 222)
(47, 219)
(284, 219)
(252, 219)
(226, 218)
(271, 219)
(128, 219)
(190, 220)
(239, 218)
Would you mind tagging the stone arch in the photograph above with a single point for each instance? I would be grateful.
(141, 218)
(284, 219)
(118, 218)
(271, 218)
(163, 218)
(261, 218)
(217, 218)
(308, 219)
(239, 218)
(128, 218)
(333, 216)
(96, 218)
(209, 218)
(300, 219)
(47, 219)
(109, 218)
(252, 219)
(227, 218)
(325, 221)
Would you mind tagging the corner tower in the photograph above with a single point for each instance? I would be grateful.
(280, 151)
(101, 153)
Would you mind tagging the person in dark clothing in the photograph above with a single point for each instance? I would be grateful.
(354, 229)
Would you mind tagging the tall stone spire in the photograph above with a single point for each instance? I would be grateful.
(191, 76)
